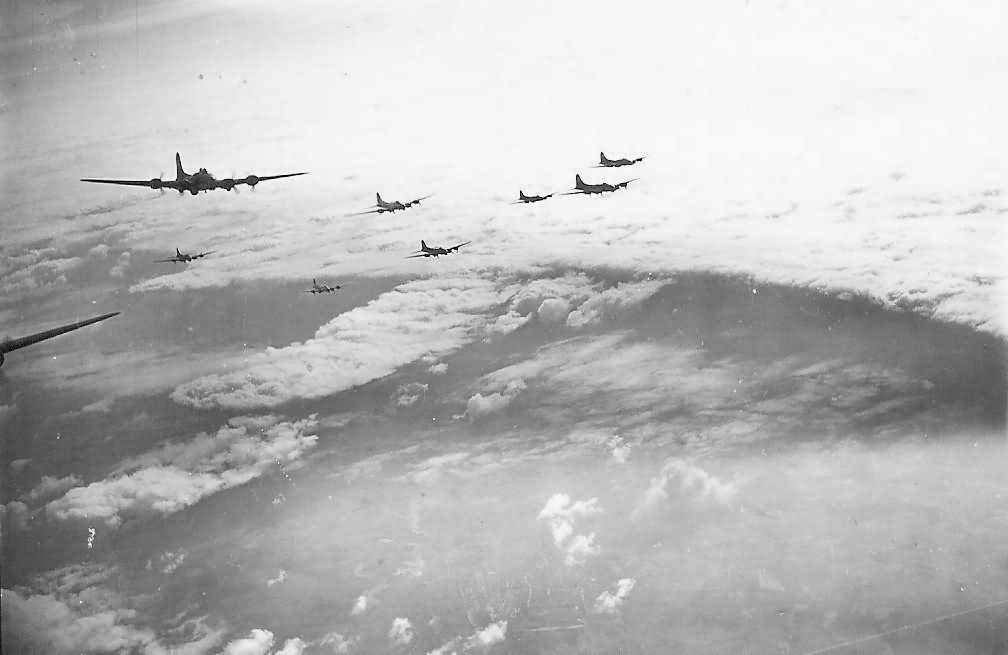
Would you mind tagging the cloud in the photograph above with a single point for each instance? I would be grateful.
(292, 647)
(694, 483)
(121, 266)
(49, 487)
(172, 560)
(488, 636)
(178, 475)
(408, 394)
(615, 300)
(17, 513)
(562, 514)
(99, 252)
(553, 310)
(360, 606)
(423, 317)
(78, 611)
(280, 577)
(334, 642)
(19, 465)
(259, 642)
(479, 405)
(610, 603)
(508, 323)
(438, 369)
(620, 449)
(401, 632)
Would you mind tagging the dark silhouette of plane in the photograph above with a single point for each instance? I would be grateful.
(522, 198)
(581, 188)
(322, 288)
(195, 182)
(182, 258)
(22, 342)
(605, 162)
(382, 206)
(427, 251)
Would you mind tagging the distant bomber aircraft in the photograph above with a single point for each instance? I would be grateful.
(605, 162)
(182, 258)
(588, 189)
(381, 207)
(322, 288)
(15, 344)
(194, 182)
(522, 198)
(427, 251)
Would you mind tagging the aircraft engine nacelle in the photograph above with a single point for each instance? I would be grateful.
(227, 184)
(155, 183)
(252, 180)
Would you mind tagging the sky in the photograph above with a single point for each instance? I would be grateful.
(604, 422)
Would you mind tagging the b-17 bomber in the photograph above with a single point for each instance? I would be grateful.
(8, 345)
(428, 251)
(588, 189)
(523, 199)
(322, 288)
(382, 206)
(605, 162)
(183, 258)
(194, 182)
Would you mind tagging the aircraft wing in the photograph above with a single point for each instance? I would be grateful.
(150, 184)
(573, 193)
(266, 178)
(624, 185)
(369, 211)
(15, 344)
(161, 261)
(204, 254)
(420, 254)
(458, 246)
(417, 201)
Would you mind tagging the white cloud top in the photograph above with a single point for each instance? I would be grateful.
(562, 514)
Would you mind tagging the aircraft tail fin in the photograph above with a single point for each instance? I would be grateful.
(178, 252)
(579, 183)
(378, 198)
(179, 173)
(521, 195)
(423, 244)
(313, 281)
(602, 158)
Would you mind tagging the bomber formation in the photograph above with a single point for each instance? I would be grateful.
(203, 181)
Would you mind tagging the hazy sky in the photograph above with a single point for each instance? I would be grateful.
(626, 410)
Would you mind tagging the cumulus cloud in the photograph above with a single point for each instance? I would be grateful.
(337, 644)
(488, 636)
(694, 483)
(178, 475)
(258, 642)
(612, 302)
(280, 577)
(553, 310)
(19, 465)
(49, 487)
(611, 603)
(171, 560)
(423, 317)
(74, 609)
(99, 252)
(293, 646)
(508, 323)
(438, 369)
(620, 449)
(407, 395)
(16, 514)
(401, 632)
(562, 514)
(121, 266)
(479, 405)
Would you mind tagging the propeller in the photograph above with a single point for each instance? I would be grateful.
(252, 181)
(158, 183)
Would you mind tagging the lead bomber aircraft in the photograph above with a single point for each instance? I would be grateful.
(22, 342)
(194, 182)
(322, 288)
